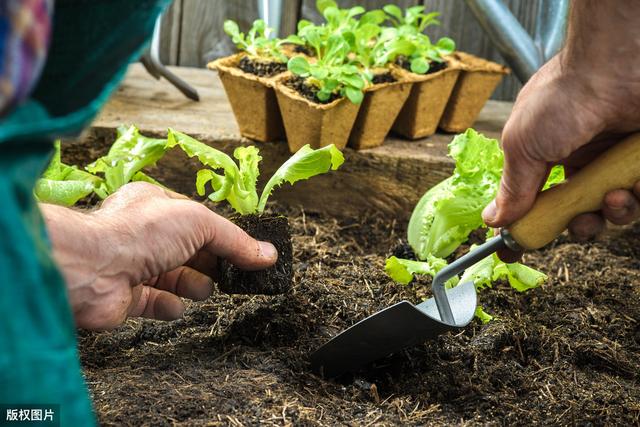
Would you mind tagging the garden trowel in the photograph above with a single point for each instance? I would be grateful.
(404, 324)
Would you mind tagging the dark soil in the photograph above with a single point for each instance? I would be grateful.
(567, 353)
(272, 281)
(308, 91)
(260, 68)
(434, 66)
(383, 78)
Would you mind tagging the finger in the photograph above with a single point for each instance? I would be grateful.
(620, 207)
(184, 282)
(586, 226)
(229, 241)
(156, 304)
(204, 262)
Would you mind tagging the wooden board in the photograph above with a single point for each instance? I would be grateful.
(390, 178)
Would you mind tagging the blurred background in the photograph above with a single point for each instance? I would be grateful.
(192, 32)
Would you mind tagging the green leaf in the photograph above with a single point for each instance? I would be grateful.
(394, 11)
(298, 65)
(235, 187)
(403, 270)
(419, 65)
(556, 176)
(64, 193)
(520, 277)
(355, 95)
(446, 45)
(482, 315)
(321, 5)
(231, 28)
(304, 164)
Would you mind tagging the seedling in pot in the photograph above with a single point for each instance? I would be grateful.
(237, 184)
(264, 56)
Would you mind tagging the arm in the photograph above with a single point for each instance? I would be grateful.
(141, 251)
(582, 101)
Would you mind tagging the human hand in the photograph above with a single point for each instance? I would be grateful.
(141, 251)
(564, 118)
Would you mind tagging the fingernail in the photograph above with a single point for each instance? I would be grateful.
(267, 250)
(489, 213)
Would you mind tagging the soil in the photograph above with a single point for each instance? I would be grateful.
(383, 78)
(272, 281)
(260, 68)
(308, 91)
(564, 354)
(434, 66)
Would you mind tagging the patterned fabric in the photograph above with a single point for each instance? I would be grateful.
(25, 28)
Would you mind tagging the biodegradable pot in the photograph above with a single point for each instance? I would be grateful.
(423, 109)
(252, 99)
(477, 81)
(380, 107)
(271, 281)
(312, 123)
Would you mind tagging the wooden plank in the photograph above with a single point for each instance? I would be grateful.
(170, 33)
(389, 179)
(202, 37)
(290, 14)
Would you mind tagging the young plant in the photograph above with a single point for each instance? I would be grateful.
(62, 184)
(329, 73)
(447, 213)
(130, 153)
(256, 42)
(236, 183)
(414, 19)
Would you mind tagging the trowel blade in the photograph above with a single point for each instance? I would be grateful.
(390, 330)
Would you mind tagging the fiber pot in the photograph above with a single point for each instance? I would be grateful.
(312, 123)
(252, 99)
(380, 107)
(423, 109)
(272, 281)
(477, 81)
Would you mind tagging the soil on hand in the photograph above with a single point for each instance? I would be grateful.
(434, 66)
(567, 353)
(272, 281)
(386, 77)
(261, 68)
(308, 91)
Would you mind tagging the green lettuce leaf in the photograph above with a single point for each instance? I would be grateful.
(129, 154)
(482, 315)
(304, 164)
(62, 184)
(237, 185)
(403, 270)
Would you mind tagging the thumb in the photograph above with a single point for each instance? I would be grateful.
(522, 179)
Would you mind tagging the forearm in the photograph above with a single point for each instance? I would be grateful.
(603, 39)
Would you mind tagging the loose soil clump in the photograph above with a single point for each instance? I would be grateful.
(308, 91)
(383, 78)
(564, 354)
(261, 68)
(272, 281)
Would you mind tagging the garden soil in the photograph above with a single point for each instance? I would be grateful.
(567, 353)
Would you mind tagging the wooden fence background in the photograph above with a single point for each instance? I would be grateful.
(192, 31)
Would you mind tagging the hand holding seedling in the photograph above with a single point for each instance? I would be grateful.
(144, 249)
(581, 102)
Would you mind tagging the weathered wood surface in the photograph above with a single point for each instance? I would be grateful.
(390, 178)
(198, 26)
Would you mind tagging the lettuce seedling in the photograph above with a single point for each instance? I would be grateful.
(256, 42)
(447, 213)
(62, 184)
(237, 182)
(129, 154)
(413, 19)
(329, 73)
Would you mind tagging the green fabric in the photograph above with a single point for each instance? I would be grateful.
(93, 41)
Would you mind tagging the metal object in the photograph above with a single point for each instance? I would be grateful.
(524, 53)
(271, 12)
(404, 324)
(151, 61)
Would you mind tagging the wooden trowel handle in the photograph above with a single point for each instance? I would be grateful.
(618, 167)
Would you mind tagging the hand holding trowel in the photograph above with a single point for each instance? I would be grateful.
(404, 324)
